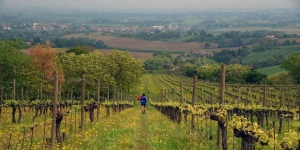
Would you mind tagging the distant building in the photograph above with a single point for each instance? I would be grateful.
(158, 27)
(6, 27)
(207, 54)
(272, 37)
(28, 43)
(173, 26)
(82, 29)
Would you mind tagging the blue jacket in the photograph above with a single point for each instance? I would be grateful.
(143, 100)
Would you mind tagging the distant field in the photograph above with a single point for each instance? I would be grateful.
(285, 50)
(270, 70)
(192, 21)
(135, 44)
(287, 30)
(110, 25)
(291, 39)
(181, 39)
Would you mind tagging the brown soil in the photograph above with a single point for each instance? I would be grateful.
(135, 44)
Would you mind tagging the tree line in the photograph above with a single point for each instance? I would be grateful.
(208, 69)
(118, 68)
(73, 42)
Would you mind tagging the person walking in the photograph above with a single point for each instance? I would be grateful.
(143, 103)
(138, 97)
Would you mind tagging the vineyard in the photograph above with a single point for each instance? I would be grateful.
(268, 114)
(182, 113)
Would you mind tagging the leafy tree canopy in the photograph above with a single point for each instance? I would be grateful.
(80, 50)
(254, 77)
(164, 54)
(292, 65)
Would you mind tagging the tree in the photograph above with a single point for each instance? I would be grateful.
(234, 72)
(206, 45)
(91, 64)
(280, 78)
(294, 42)
(244, 52)
(153, 63)
(254, 76)
(15, 65)
(187, 69)
(80, 50)
(286, 43)
(209, 71)
(292, 65)
(100, 44)
(179, 60)
(124, 69)
(164, 54)
(237, 41)
(42, 58)
(223, 59)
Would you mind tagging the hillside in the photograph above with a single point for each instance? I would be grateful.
(282, 50)
(270, 70)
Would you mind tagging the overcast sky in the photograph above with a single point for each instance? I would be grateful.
(155, 4)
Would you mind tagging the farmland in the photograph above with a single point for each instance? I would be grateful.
(120, 124)
(135, 44)
(283, 50)
(287, 30)
(270, 70)
(85, 100)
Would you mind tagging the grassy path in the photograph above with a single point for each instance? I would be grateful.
(132, 130)
(142, 133)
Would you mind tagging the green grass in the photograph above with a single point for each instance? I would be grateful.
(242, 29)
(270, 70)
(284, 50)
(192, 21)
(180, 39)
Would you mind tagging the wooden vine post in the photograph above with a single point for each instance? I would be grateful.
(108, 92)
(98, 99)
(174, 93)
(14, 85)
(299, 106)
(181, 101)
(280, 113)
(22, 94)
(264, 105)
(41, 91)
(14, 90)
(82, 102)
(222, 131)
(1, 99)
(193, 100)
(114, 99)
(14, 107)
(54, 110)
(239, 95)
(107, 107)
